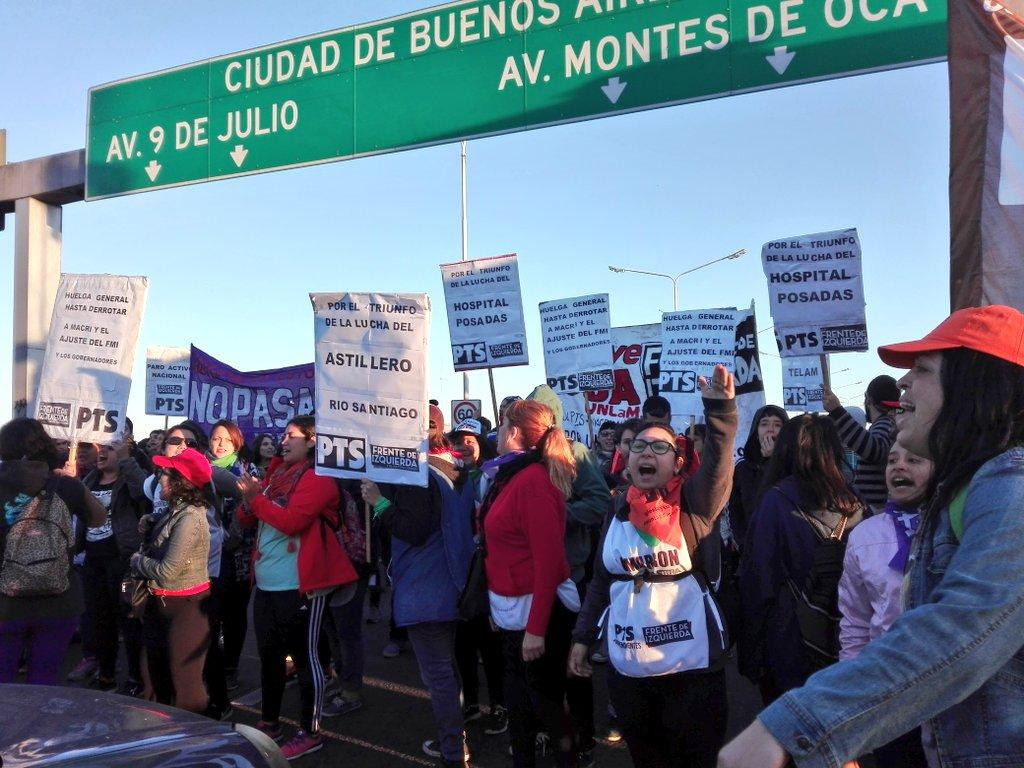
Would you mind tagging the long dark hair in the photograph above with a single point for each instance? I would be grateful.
(982, 415)
(24, 438)
(257, 457)
(181, 491)
(809, 451)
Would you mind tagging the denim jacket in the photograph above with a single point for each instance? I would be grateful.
(954, 660)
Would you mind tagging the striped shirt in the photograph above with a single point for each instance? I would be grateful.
(872, 447)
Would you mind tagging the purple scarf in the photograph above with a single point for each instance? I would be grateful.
(905, 521)
(490, 468)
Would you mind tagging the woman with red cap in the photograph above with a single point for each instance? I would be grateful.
(953, 662)
(176, 633)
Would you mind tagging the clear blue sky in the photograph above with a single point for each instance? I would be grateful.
(231, 262)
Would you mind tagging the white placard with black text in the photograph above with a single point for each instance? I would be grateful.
(485, 313)
(167, 381)
(816, 293)
(693, 342)
(803, 384)
(577, 340)
(371, 386)
(87, 370)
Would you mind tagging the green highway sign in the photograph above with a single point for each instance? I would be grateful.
(477, 68)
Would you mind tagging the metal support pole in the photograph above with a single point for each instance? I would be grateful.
(37, 247)
(3, 161)
(465, 253)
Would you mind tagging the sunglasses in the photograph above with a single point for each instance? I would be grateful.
(188, 441)
(660, 447)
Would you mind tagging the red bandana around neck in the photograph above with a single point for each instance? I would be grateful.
(657, 519)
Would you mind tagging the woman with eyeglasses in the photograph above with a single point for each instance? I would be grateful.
(666, 637)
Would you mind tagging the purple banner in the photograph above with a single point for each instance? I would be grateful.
(258, 401)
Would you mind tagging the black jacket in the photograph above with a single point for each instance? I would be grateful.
(128, 503)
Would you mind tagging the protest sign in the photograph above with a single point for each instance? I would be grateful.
(577, 341)
(485, 313)
(747, 375)
(802, 384)
(87, 370)
(371, 393)
(693, 342)
(167, 381)
(636, 350)
(258, 401)
(816, 292)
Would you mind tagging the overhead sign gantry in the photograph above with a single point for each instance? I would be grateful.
(476, 68)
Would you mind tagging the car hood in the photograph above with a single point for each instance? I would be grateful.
(44, 725)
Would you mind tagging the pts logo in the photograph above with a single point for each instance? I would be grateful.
(467, 354)
(97, 416)
(684, 382)
(624, 633)
(341, 452)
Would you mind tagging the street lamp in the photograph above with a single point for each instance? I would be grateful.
(675, 280)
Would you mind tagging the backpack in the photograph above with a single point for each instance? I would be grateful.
(37, 550)
(351, 531)
(817, 599)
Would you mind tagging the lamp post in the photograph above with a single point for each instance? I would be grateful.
(675, 280)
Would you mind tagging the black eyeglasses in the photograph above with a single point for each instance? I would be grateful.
(660, 447)
(188, 441)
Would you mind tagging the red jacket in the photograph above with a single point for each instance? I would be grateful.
(525, 531)
(312, 515)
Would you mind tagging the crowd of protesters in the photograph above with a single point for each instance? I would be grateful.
(866, 579)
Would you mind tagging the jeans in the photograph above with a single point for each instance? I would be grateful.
(671, 721)
(434, 645)
(344, 629)
(46, 641)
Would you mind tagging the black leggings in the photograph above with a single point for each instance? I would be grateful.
(535, 691)
(101, 579)
(671, 721)
(472, 638)
(288, 624)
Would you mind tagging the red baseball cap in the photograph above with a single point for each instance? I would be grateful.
(995, 330)
(193, 466)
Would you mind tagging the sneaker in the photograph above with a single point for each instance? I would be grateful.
(341, 705)
(272, 731)
(302, 744)
(392, 649)
(231, 679)
(497, 721)
(599, 658)
(131, 688)
(432, 747)
(541, 744)
(85, 668)
(471, 712)
(373, 614)
(103, 683)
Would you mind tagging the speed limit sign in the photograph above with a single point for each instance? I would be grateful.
(465, 409)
